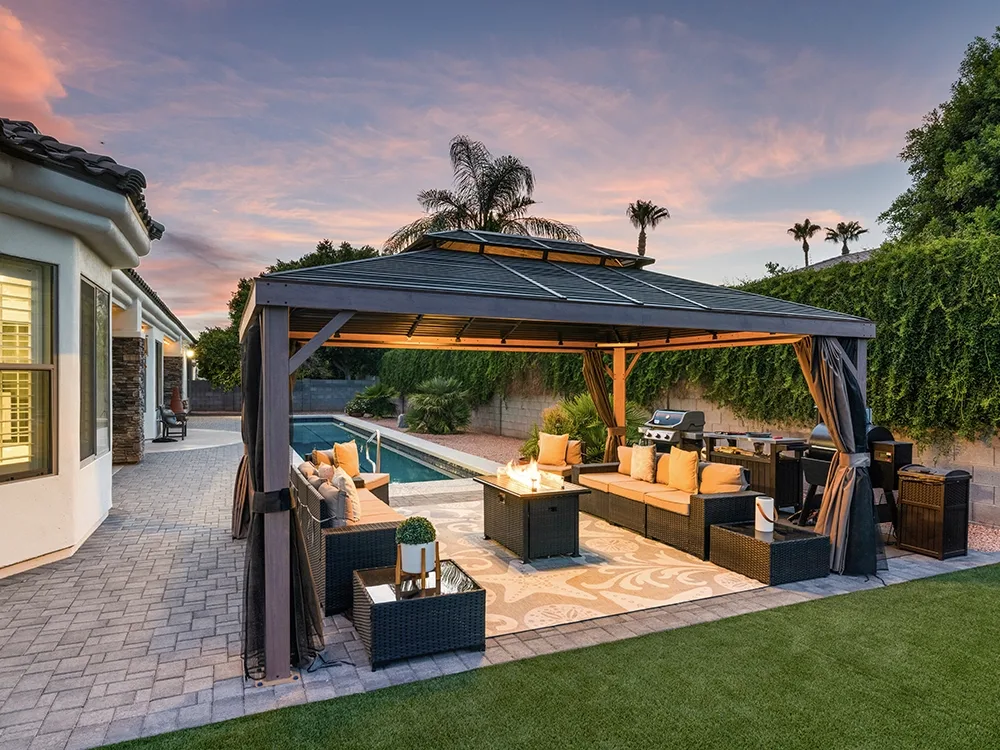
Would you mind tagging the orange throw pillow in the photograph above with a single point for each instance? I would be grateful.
(721, 478)
(346, 455)
(574, 452)
(322, 458)
(663, 469)
(684, 470)
(552, 448)
(624, 460)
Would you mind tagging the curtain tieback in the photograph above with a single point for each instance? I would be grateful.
(271, 502)
(858, 460)
(617, 431)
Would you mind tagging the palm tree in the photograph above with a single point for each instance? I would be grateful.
(644, 214)
(803, 233)
(490, 193)
(845, 232)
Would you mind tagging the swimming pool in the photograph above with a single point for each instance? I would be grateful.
(310, 434)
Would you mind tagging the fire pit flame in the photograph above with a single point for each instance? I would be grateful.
(531, 476)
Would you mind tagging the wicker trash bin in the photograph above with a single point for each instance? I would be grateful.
(934, 511)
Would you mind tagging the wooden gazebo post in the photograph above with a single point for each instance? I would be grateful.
(277, 555)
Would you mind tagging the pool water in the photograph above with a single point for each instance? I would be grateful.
(309, 436)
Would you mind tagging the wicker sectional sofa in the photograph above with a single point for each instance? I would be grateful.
(337, 547)
(658, 511)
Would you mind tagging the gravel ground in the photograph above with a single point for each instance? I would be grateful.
(984, 538)
(492, 447)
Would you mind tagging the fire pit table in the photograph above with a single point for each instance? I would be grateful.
(532, 523)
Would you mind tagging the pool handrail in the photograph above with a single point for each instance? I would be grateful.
(377, 463)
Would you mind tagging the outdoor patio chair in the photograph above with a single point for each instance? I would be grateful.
(172, 423)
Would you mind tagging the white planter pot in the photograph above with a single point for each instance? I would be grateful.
(409, 557)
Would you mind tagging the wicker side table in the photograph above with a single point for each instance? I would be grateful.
(399, 622)
(786, 555)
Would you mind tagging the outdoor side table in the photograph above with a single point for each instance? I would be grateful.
(785, 555)
(532, 523)
(399, 622)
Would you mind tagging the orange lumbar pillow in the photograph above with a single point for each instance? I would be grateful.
(574, 452)
(346, 455)
(684, 470)
(643, 462)
(552, 448)
(625, 460)
(719, 478)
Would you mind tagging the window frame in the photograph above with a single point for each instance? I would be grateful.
(51, 368)
(97, 290)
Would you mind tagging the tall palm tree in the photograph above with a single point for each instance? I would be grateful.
(803, 233)
(845, 232)
(644, 214)
(490, 193)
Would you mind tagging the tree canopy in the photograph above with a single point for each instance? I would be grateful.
(954, 156)
(492, 193)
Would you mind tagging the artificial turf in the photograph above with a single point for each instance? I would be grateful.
(915, 665)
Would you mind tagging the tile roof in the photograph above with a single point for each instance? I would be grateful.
(858, 257)
(145, 287)
(22, 139)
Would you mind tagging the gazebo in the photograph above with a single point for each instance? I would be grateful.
(477, 290)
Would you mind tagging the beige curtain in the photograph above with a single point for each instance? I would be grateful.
(593, 375)
(847, 513)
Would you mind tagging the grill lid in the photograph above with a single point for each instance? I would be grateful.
(689, 421)
(820, 441)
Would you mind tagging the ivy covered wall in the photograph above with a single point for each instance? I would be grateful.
(933, 368)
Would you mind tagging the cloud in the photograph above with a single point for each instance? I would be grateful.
(30, 80)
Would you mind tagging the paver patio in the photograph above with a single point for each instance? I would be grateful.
(139, 632)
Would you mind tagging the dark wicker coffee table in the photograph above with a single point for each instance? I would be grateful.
(543, 523)
(399, 622)
(786, 555)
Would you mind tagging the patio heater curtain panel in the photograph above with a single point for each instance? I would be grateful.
(847, 514)
(593, 375)
(306, 620)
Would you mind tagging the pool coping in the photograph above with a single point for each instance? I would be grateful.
(464, 464)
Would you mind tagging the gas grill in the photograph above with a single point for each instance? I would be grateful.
(888, 456)
(669, 428)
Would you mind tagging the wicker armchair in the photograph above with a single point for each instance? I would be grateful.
(689, 533)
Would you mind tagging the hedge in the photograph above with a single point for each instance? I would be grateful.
(931, 367)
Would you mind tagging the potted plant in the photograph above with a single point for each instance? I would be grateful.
(414, 535)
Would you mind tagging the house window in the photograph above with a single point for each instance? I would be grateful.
(95, 371)
(27, 369)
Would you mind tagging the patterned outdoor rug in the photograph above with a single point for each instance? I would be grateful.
(618, 571)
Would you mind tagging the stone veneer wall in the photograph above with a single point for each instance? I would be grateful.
(128, 400)
(173, 373)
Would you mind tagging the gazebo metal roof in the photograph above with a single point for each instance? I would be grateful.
(529, 294)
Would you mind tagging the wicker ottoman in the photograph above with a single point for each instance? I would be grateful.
(788, 554)
(399, 622)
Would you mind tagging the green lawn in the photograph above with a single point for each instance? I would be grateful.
(915, 665)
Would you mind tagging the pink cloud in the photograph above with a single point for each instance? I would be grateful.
(30, 80)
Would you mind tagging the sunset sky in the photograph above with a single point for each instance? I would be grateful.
(264, 127)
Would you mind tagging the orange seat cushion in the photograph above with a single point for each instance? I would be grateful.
(721, 478)
(634, 490)
(370, 481)
(602, 481)
(673, 500)
(562, 469)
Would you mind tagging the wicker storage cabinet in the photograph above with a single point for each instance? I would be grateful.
(786, 555)
(934, 511)
(400, 622)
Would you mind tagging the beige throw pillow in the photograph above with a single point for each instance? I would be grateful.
(346, 455)
(644, 462)
(344, 482)
(325, 472)
(684, 470)
(721, 478)
(307, 469)
(334, 505)
(624, 460)
(552, 448)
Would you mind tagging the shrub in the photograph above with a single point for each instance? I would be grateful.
(440, 406)
(378, 401)
(415, 530)
(578, 418)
